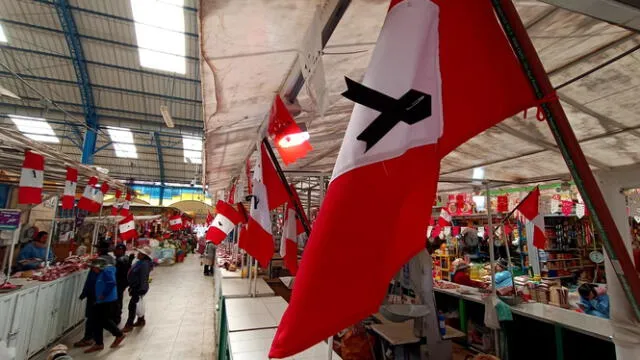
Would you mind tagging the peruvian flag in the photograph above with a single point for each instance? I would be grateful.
(442, 71)
(115, 206)
(529, 209)
(127, 228)
(88, 200)
(31, 179)
(99, 196)
(226, 219)
(445, 217)
(289, 242)
(69, 195)
(124, 211)
(258, 240)
(278, 194)
(209, 218)
(232, 194)
(175, 222)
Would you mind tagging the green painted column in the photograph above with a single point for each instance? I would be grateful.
(462, 310)
(559, 331)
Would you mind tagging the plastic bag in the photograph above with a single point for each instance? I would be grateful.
(140, 307)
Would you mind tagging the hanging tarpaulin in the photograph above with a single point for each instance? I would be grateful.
(311, 65)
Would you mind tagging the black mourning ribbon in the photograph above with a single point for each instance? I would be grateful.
(255, 205)
(410, 108)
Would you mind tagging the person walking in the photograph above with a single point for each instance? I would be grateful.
(138, 279)
(123, 265)
(209, 257)
(102, 312)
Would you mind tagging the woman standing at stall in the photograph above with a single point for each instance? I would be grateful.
(138, 279)
(32, 255)
(209, 257)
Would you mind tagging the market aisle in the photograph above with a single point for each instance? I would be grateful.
(180, 319)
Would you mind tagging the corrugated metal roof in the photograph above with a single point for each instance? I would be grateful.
(125, 94)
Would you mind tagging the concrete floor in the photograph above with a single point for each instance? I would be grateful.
(180, 319)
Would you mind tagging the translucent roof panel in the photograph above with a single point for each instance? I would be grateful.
(123, 142)
(3, 37)
(35, 128)
(160, 32)
(192, 150)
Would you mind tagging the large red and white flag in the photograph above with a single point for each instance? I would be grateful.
(70, 184)
(434, 81)
(258, 240)
(88, 200)
(99, 196)
(116, 205)
(289, 240)
(445, 217)
(175, 223)
(127, 228)
(530, 209)
(226, 219)
(31, 179)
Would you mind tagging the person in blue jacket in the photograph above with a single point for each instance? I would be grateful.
(138, 279)
(503, 276)
(592, 303)
(106, 296)
(32, 255)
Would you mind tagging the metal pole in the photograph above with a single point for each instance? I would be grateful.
(249, 262)
(571, 151)
(492, 258)
(53, 229)
(255, 279)
(14, 241)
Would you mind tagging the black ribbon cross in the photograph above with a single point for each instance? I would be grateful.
(410, 108)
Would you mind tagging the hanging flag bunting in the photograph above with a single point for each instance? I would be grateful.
(289, 239)
(99, 196)
(503, 203)
(529, 208)
(580, 210)
(31, 179)
(70, 184)
(407, 116)
(175, 223)
(258, 240)
(247, 170)
(226, 219)
(88, 200)
(232, 194)
(209, 218)
(124, 211)
(116, 206)
(127, 228)
(278, 194)
(445, 217)
(567, 207)
(291, 142)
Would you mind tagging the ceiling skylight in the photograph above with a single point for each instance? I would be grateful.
(192, 150)
(122, 140)
(3, 37)
(35, 128)
(160, 33)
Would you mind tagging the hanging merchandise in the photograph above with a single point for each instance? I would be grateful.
(503, 203)
(69, 195)
(116, 206)
(124, 211)
(226, 219)
(127, 228)
(258, 239)
(87, 201)
(31, 179)
(291, 141)
(445, 217)
(175, 223)
(567, 207)
(580, 210)
(554, 204)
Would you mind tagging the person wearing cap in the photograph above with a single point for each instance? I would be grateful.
(105, 301)
(59, 352)
(123, 265)
(138, 279)
(461, 275)
(503, 276)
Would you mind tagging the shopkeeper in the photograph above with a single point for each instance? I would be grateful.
(461, 275)
(503, 276)
(33, 254)
(593, 300)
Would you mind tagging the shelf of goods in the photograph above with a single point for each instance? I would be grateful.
(40, 312)
(565, 256)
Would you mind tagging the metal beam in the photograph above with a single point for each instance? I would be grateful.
(102, 87)
(82, 79)
(602, 118)
(160, 164)
(115, 17)
(88, 37)
(97, 63)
